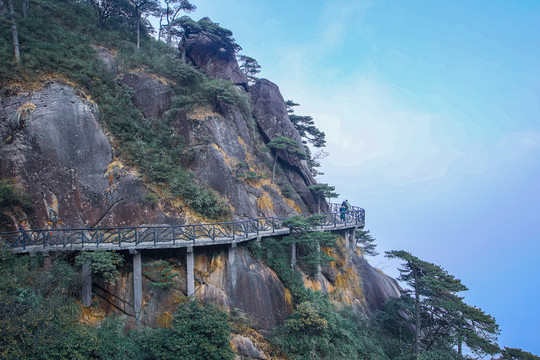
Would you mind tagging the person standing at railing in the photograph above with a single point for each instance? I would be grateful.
(343, 210)
(22, 229)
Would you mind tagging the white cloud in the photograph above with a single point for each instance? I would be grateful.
(370, 131)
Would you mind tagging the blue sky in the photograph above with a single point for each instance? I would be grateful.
(431, 110)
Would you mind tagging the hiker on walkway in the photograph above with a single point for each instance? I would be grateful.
(343, 210)
(24, 233)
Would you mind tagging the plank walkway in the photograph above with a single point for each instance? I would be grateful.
(170, 236)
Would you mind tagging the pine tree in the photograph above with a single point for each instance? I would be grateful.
(323, 191)
(365, 239)
(441, 318)
(287, 145)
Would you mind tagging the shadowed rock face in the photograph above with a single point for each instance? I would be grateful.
(256, 290)
(151, 96)
(270, 111)
(61, 156)
(378, 287)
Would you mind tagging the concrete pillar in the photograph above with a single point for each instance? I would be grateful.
(352, 239)
(232, 252)
(137, 285)
(86, 293)
(33, 260)
(47, 265)
(190, 268)
(319, 273)
(293, 254)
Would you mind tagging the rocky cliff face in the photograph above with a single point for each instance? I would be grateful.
(56, 147)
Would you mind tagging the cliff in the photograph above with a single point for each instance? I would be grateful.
(59, 145)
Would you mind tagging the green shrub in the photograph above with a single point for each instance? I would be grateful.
(318, 330)
(160, 274)
(198, 333)
(104, 263)
(11, 197)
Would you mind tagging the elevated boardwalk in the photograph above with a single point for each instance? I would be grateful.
(170, 236)
(137, 239)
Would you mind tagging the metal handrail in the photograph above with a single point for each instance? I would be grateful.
(170, 235)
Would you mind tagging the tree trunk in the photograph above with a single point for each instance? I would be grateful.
(169, 36)
(416, 316)
(25, 8)
(274, 168)
(138, 32)
(14, 32)
(160, 31)
(183, 48)
(293, 254)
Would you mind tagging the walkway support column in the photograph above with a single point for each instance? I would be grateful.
(352, 238)
(137, 285)
(190, 268)
(47, 265)
(293, 254)
(319, 272)
(86, 293)
(232, 252)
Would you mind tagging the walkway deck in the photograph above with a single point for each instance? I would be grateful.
(169, 236)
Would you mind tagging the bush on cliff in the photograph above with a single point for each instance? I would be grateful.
(198, 333)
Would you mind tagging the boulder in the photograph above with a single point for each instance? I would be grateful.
(60, 155)
(107, 57)
(245, 348)
(256, 290)
(151, 96)
(378, 287)
(207, 52)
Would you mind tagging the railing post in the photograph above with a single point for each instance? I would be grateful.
(233, 231)
(213, 232)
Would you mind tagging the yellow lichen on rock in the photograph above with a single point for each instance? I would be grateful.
(165, 320)
(91, 315)
(231, 163)
(288, 297)
(348, 287)
(264, 203)
(311, 283)
(201, 113)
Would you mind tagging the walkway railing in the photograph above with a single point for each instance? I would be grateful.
(170, 236)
